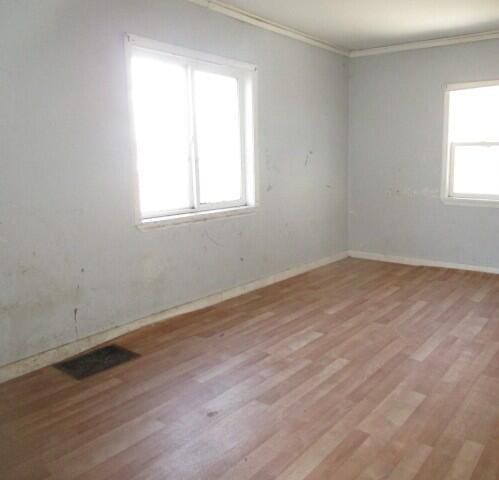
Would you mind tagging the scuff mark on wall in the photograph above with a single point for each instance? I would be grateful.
(413, 192)
(211, 239)
(308, 157)
(75, 312)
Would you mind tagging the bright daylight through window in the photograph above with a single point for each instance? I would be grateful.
(472, 148)
(193, 121)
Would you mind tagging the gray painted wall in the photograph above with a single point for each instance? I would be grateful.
(395, 157)
(67, 235)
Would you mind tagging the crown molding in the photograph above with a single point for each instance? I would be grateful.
(275, 27)
(437, 42)
(269, 25)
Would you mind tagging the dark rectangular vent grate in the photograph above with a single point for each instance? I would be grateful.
(96, 361)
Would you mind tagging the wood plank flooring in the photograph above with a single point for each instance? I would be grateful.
(358, 370)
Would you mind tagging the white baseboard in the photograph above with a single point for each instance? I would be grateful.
(40, 360)
(420, 262)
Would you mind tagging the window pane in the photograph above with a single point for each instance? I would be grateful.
(218, 137)
(474, 115)
(160, 105)
(476, 170)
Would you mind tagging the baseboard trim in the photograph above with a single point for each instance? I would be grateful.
(420, 262)
(49, 357)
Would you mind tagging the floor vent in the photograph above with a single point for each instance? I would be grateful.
(96, 361)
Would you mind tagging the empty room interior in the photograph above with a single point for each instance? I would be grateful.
(249, 240)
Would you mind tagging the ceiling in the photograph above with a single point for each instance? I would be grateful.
(363, 24)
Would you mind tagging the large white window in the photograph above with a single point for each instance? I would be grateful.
(193, 123)
(471, 154)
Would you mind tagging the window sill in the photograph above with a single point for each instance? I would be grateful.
(161, 222)
(470, 202)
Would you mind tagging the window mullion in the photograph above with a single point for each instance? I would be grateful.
(194, 146)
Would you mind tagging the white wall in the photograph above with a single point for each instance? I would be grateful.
(67, 235)
(395, 157)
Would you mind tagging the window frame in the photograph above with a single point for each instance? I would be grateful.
(448, 196)
(246, 77)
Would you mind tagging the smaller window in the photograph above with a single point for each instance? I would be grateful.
(193, 123)
(471, 146)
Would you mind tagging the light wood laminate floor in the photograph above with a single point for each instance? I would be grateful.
(357, 370)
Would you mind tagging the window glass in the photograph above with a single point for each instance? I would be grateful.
(159, 97)
(216, 103)
(476, 170)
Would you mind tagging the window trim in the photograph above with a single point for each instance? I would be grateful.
(199, 216)
(446, 193)
(246, 76)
